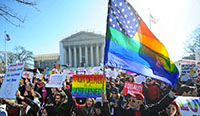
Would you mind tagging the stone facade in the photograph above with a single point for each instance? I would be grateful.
(46, 60)
(82, 48)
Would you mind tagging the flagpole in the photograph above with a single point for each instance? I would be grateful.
(5, 50)
(103, 78)
(109, 3)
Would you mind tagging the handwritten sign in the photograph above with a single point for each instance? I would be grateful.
(94, 70)
(56, 80)
(132, 87)
(84, 86)
(188, 106)
(11, 81)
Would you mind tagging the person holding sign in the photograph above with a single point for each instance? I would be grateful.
(28, 107)
(61, 101)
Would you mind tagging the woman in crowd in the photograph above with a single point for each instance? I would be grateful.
(171, 110)
(87, 107)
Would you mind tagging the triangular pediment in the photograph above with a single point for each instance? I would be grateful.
(83, 36)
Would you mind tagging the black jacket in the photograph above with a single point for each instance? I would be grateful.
(33, 111)
(149, 110)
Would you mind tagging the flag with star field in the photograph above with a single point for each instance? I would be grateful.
(131, 46)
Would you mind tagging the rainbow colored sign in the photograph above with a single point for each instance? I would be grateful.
(188, 106)
(84, 86)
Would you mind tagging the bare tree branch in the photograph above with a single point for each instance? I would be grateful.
(11, 17)
(17, 25)
(27, 2)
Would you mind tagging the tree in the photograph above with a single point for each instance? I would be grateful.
(20, 54)
(7, 13)
(23, 55)
(10, 59)
(193, 44)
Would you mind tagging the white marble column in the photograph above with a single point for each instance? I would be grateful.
(65, 54)
(75, 57)
(61, 54)
(97, 54)
(80, 54)
(92, 55)
(70, 56)
(86, 55)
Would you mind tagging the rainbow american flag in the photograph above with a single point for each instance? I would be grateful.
(131, 46)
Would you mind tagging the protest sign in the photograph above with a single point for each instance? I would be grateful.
(132, 87)
(48, 73)
(139, 79)
(80, 70)
(56, 80)
(185, 77)
(11, 80)
(188, 106)
(94, 70)
(112, 74)
(27, 74)
(84, 86)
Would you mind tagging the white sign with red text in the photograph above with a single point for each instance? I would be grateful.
(11, 81)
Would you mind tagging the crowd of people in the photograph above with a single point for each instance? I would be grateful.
(157, 99)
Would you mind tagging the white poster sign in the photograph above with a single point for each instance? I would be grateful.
(80, 70)
(56, 80)
(112, 74)
(188, 106)
(139, 79)
(94, 70)
(11, 81)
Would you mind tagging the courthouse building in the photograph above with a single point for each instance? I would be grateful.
(82, 49)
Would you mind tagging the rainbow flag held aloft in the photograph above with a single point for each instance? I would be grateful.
(131, 46)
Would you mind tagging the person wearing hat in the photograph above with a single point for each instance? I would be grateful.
(135, 105)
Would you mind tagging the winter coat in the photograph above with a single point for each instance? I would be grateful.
(148, 110)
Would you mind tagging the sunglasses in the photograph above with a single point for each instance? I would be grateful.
(134, 100)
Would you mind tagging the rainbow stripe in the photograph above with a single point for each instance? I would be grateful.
(84, 86)
(131, 46)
